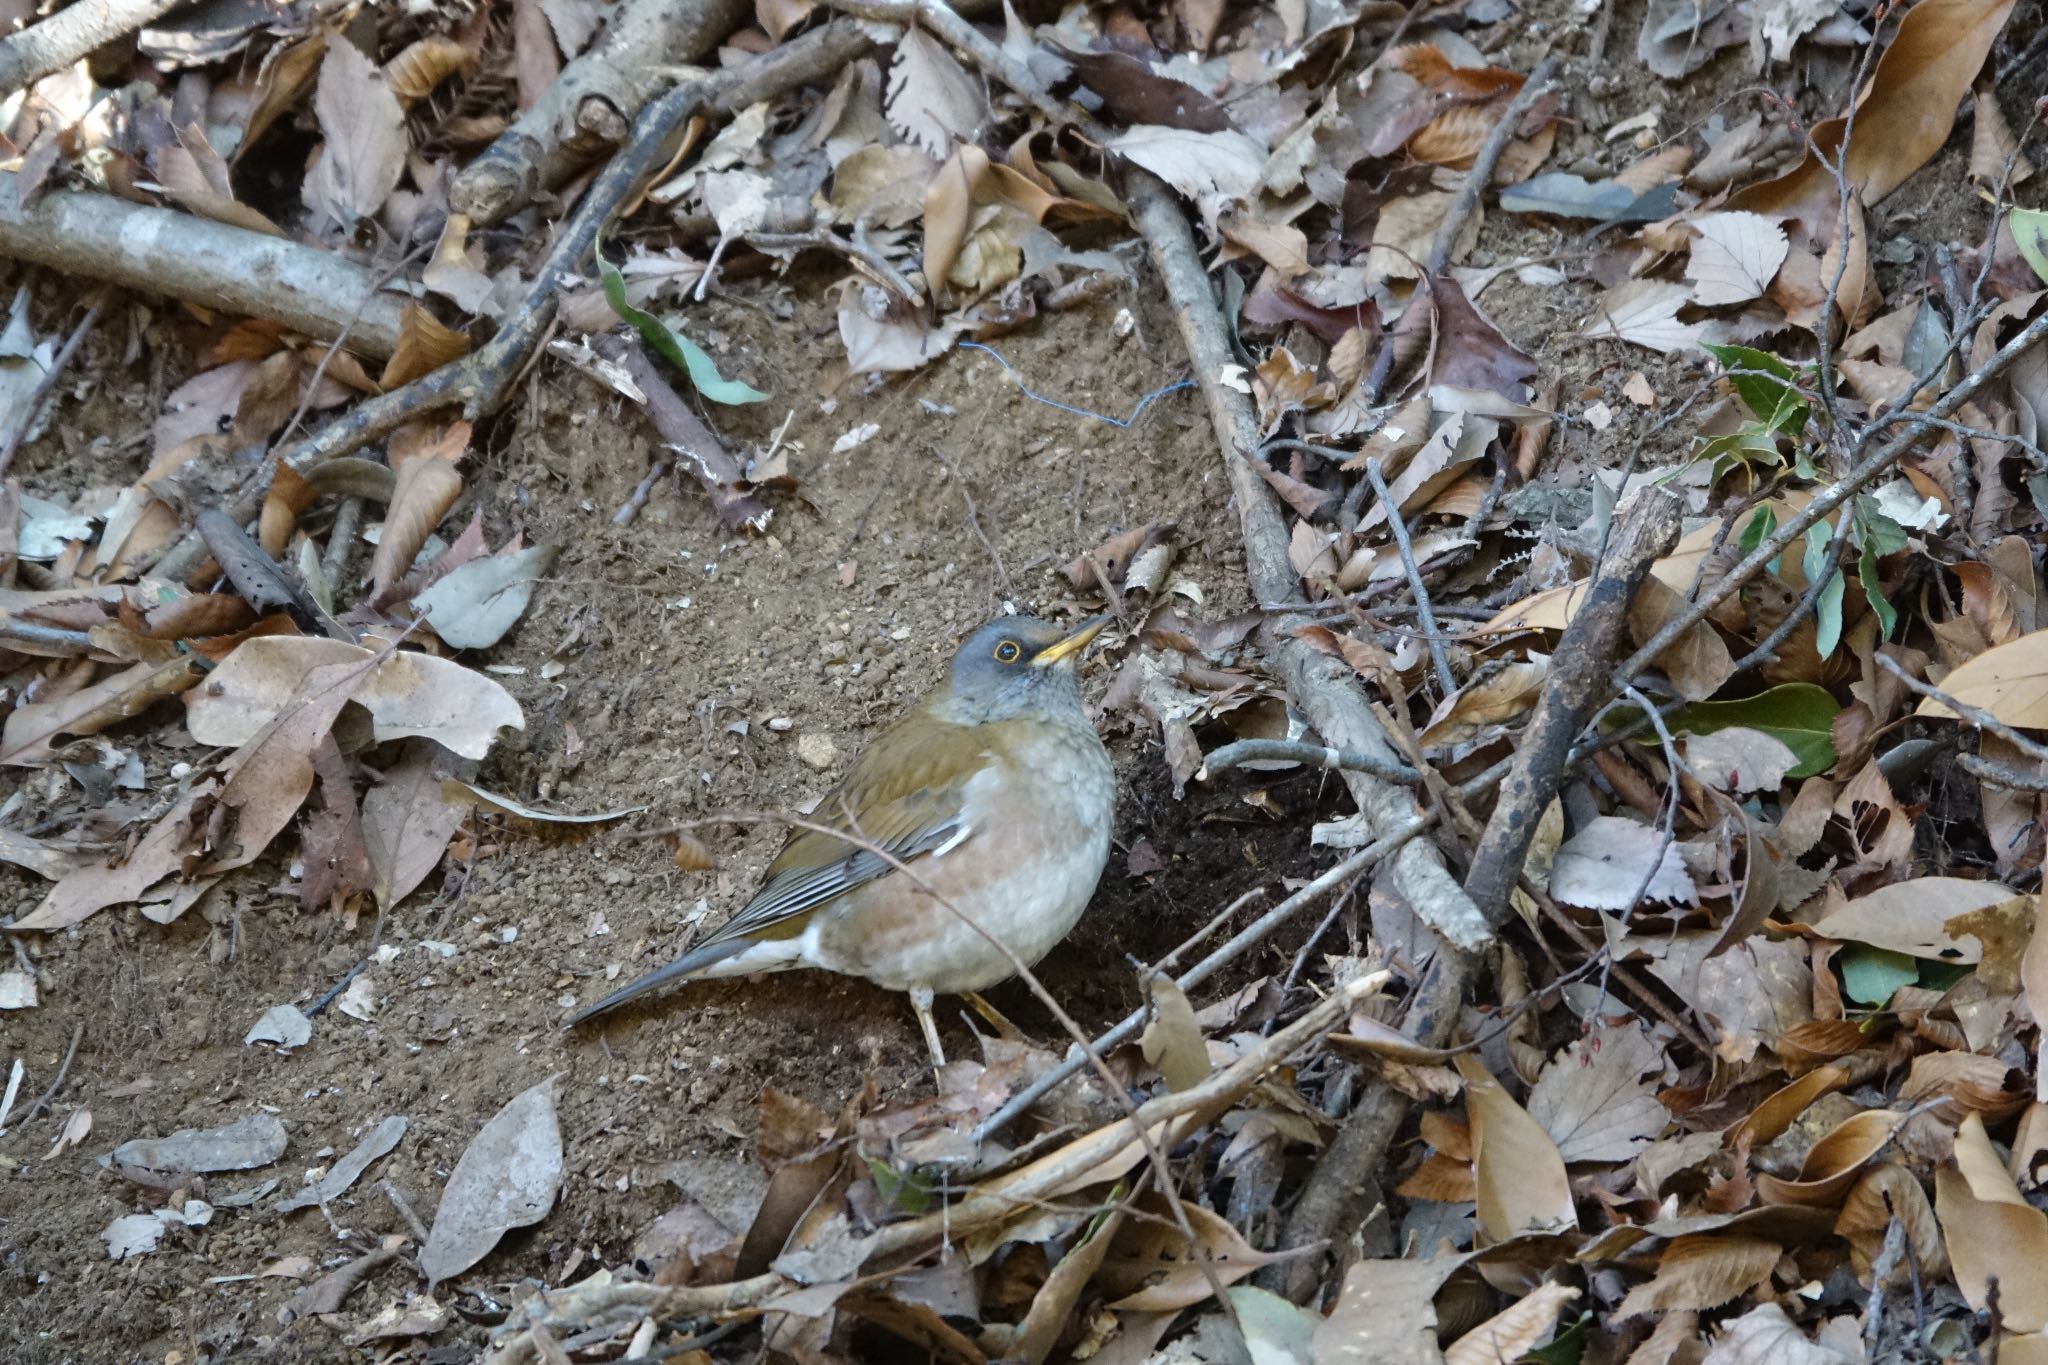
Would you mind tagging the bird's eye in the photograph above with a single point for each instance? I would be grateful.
(1007, 652)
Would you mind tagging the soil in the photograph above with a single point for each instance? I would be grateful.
(671, 665)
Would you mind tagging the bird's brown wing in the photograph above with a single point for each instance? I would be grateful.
(905, 795)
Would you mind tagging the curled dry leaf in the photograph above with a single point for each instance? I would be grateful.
(507, 1178)
(1994, 1234)
(1834, 1163)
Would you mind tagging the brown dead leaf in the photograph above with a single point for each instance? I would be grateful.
(1613, 860)
(426, 490)
(1834, 1163)
(1150, 1268)
(1993, 1233)
(424, 64)
(1522, 1185)
(1902, 117)
(408, 821)
(1496, 694)
(1734, 258)
(1514, 1331)
(1698, 662)
(931, 100)
(1912, 917)
(425, 344)
(1889, 1191)
(1701, 1272)
(1596, 1098)
(30, 730)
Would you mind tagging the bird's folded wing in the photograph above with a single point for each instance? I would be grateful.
(906, 797)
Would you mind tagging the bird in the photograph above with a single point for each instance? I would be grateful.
(993, 801)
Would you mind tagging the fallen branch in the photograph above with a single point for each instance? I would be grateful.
(1102, 1155)
(1319, 686)
(1245, 751)
(1338, 1195)
(692, 444)
(591, 106)
(1576, 685)
(479, 381)
(71, 33)
(159, 251)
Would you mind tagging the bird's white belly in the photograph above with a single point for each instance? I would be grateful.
(1024, 873)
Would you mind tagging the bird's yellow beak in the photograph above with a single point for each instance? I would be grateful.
(1071, 644)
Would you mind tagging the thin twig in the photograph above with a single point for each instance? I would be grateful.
(398, 1201)
(1423, 612)
(42, 1101)
(1245, 751)
(630, 508)
(1975, 716)
(48, 383)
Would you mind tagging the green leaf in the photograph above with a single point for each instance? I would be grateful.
(1568, 1347)
(673, 346)
(1827, 615)
(1871, 975)
(1764, 384)
(1815, 557)
(1800, 716)
(1873, 593)
(902, 1191)
(1758, 530)
(2030, 233)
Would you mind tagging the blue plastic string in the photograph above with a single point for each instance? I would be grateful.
(1026, 390)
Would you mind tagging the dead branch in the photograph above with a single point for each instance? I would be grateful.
(592, 105)
(1244, 751)
(693, 445)
(1577, 683)
(1335, 1198)
(1102, 1155)
(479, 381)
(71, 33)
(158, 251)
(1321, 687)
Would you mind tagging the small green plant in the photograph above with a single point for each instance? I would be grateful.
(1774, 392)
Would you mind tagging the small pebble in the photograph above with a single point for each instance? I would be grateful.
(817, 751)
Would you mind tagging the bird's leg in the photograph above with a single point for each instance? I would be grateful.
(921, 1001)
(992, 1016)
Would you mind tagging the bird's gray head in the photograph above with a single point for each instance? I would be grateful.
(1018, 665)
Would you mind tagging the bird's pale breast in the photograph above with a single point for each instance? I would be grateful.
(1038, 827)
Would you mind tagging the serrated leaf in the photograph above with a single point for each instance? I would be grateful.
(681, 352)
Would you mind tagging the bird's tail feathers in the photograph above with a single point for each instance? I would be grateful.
(692, 963)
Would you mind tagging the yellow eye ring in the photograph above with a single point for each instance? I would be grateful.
(1007, 652)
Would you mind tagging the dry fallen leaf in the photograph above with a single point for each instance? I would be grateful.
(1614, 861)
(364, 154)
(1522, 1184)
(506, 1178)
